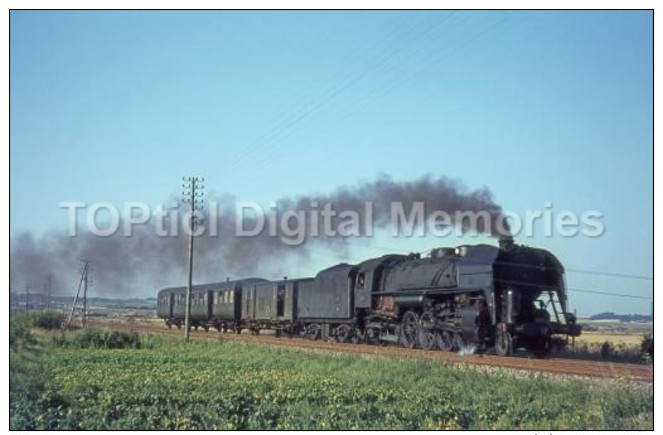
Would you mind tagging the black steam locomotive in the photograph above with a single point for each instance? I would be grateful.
(487, 297)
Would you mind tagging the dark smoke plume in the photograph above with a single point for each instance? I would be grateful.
(140, 264)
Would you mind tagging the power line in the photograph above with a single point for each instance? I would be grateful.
(579, 290)
(620, 275)
(329, 89)
(374, 64)
(609, 294)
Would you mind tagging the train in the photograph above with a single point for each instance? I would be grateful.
(496, 299)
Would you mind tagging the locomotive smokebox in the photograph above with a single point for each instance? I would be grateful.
(506, 243)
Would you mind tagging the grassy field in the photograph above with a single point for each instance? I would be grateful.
(147, 382)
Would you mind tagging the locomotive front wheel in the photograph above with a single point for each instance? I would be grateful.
(427, 338)
(410, 329)
(503, 343)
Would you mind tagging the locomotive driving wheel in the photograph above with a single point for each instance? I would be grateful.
(427, 339)
(444, 340)
(409, 329)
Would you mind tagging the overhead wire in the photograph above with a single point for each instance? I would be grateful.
(329, 90)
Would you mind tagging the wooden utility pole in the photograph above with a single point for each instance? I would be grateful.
(86, 269)
(82, 281)
(27, 297)
(193, 197)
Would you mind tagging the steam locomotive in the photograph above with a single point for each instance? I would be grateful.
(493, 298)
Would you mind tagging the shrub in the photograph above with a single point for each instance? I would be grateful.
(606, 350)
(47, 320)
(102, 339)
(19, 333)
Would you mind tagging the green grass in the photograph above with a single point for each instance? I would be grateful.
(167, 384)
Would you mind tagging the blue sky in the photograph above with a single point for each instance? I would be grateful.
(538, 106)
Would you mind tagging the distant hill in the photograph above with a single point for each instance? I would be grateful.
(38, 301)
(622, 317)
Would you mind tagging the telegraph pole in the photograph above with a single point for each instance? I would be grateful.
(73, 305)
(27, 297)
(191, 195)
(86, 269)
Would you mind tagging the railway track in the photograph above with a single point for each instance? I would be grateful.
(634, 372)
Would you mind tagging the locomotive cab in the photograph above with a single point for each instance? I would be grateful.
(531, 303)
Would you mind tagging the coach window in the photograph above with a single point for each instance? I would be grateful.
(231, 299)
(361, 281)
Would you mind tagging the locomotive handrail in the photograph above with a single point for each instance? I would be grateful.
(430, 290)
(528, 284)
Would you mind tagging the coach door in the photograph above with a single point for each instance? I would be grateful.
(248, 302)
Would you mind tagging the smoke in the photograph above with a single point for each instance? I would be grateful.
(140, 264)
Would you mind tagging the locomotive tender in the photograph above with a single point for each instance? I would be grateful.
(503, 298)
